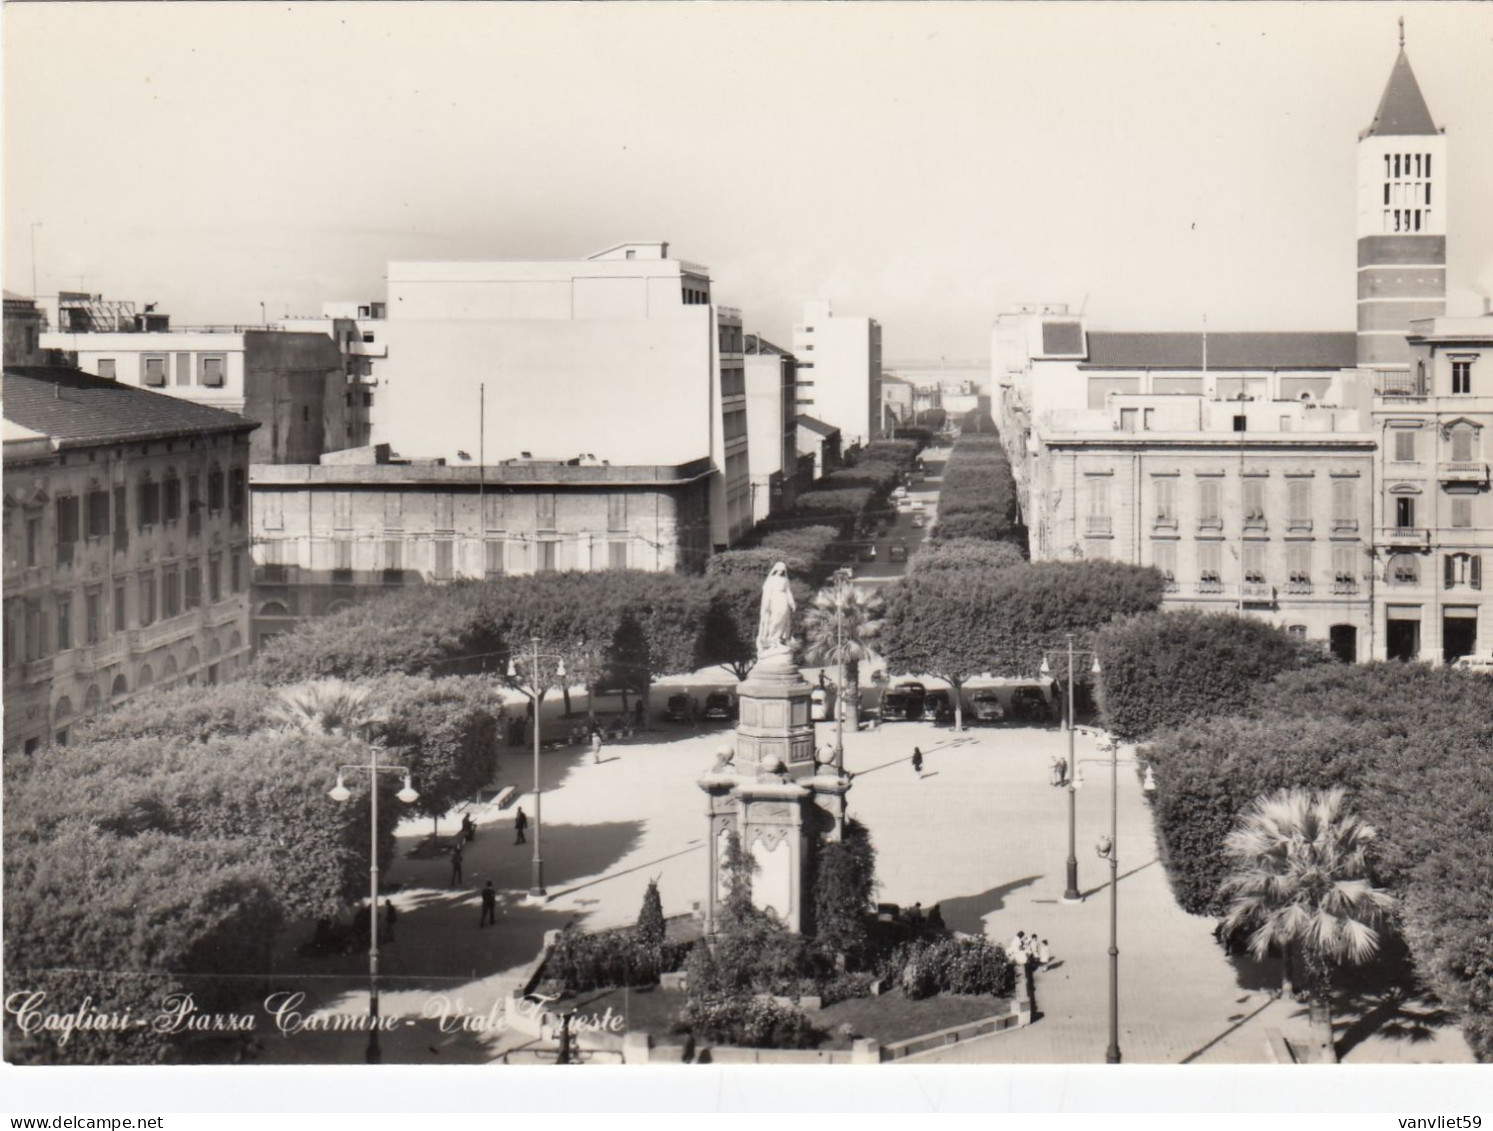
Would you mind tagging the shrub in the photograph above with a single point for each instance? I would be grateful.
(845, 505)
(749, 1022)
(965, 554)
(650, 929)
(978, 498)
(1173, 668)
(952, 966)
(844, 886)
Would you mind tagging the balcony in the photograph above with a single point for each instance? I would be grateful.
(1345, 587)
(1101, 524)
(1257, 593)
(1210, 585)
(1406, 537)
(1402, 386)
(1462, 472)
(1299, 587)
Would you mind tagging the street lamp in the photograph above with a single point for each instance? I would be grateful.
(534, 690)
(340, 793)
(1108, 849)
(1070, 892)
(842, 578)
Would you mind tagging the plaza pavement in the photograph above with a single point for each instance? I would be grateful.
(981, 833)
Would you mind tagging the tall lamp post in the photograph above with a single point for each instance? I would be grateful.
(1071, 893)
(536, 688)
(842, 578)
(339, 793)
(1109, 849)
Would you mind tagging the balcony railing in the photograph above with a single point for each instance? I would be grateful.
(1345, 586)
(1098, 524)
(1388, 383)
(1299, 587)
(1209, 585)
(1459, 471)
(1411, 536)
(1258, 592)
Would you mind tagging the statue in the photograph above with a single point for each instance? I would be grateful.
(775, 624)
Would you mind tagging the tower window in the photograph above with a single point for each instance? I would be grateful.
(1428, 164)
(1397, 166)
(1417, 219)
(1428, 194)
(1386, 192)
(1417, 164)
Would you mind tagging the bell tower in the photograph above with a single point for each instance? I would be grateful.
(1401, 220)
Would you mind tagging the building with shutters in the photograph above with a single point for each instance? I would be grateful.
(125, 544)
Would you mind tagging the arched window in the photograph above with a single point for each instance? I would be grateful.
(63, 711)
(121, 686)
(145, 678)
(168, 671)
(273, 609)
(91, 699)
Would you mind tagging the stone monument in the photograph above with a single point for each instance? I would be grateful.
(769, 790)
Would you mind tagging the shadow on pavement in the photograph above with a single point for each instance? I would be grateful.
(1123, 876)
(1385, 999)
(967, 913)
(694, 847)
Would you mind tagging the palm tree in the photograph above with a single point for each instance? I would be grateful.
(843, 622)
(329, 706)
(1298, 880)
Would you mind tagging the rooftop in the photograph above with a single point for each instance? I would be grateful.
(1232, 350)
(1402, 107)
(77, 409)
(814, 424)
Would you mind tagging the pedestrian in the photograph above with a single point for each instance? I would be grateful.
(489, 907)
(935, 919)
(520, 823)
(638, 713)
(1055, 770)
(917, 761)
(1062, 771)
(468, 828)
(390, 915)
(1044, 954)
(1017, 950)
(456, 864)
(596, 747)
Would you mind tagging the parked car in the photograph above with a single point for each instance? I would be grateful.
(1030, 704)
(899, 492)
(821, 704)
(681, 708)
(918, 521)
(897, 552)
(987, 707)
(898, 706)
(1475, 663)
(938, 707)
(720, 705)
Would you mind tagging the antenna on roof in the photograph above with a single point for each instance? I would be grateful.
(1402, 33)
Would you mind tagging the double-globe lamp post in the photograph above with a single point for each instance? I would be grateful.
(340, 793)
(1071, 894)
(534, 690)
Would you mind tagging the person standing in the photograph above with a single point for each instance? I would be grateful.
(1055, 770)
(520, 823)
(1017, 949)
(390, 915)
(596, 747)
(917, 761)
(456, 864)
(489, 907)
(468, 828)
(1044, 954)
(639, 712)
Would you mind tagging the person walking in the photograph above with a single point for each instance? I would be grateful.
(1044, 954)
(596, 747)
(489, 907)
(1062, 771)
(1055, 770)
(456, 864)
(917, 761)
(390, 915)
(468, 828)
(520, 823)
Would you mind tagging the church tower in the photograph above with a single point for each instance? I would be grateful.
(1401, 220)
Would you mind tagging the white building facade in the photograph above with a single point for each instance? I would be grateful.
(839, 371)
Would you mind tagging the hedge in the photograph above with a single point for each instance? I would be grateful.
(979, 498)
(953, 965)
(749, 1022)
(965, 554)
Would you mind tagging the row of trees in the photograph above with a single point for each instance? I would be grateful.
(166, 851)
(979, 498)
(1406, 748)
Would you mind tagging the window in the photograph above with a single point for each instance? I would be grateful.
(1461, 377)
(120, 623)
(1462, 512)
(1127, 419)
(98, 513)
(1208, 503)
(194, 503)
(150, 503)
(1099, 517)
(212, 370)
(1296, 631)
(1462, 446)
(546, 553)
(93, 611)
(33, 540)
(146, 610)
(445, 513)
(236, 579)
(1344, 504)
(106, 367)
(64, 622)
(171, 500)
(1402, 569)
(121, 519)
(36, 631)
(183, 369)
(170, 592)
(194, 587)
(494, 551)
(1345, 568)
(1166, 502)
(494, 511)
(1404, 446)
(68, 512)
(444, 554)
(1299, 504)
(617, 554)
(1462, 571)
(214, 490)
(238, 496)
(215, 577)
(544, 510)
(1210, 563)
(1404, 513)
(1299, 565)
(1253, 559)
(368, 335)
(155, 371)
(1254, 502)
(1165, 560)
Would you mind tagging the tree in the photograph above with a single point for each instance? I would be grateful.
(960, 554)
(650, 929)
(844, 887)
(943, 625)
(843, 624)
(330, 706)
(730, 636)
(1298, 881)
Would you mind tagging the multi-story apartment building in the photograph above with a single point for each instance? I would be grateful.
(622, 355)
(1336, 483)
(772, 426)
(326, 536)
(292, 384)
(357, 330)
(126, 547)
(1433, 510)
(839, 371)
(896, 401)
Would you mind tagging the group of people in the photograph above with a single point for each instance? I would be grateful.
(1027, 952)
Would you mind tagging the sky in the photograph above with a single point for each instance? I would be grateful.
(925, 164)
